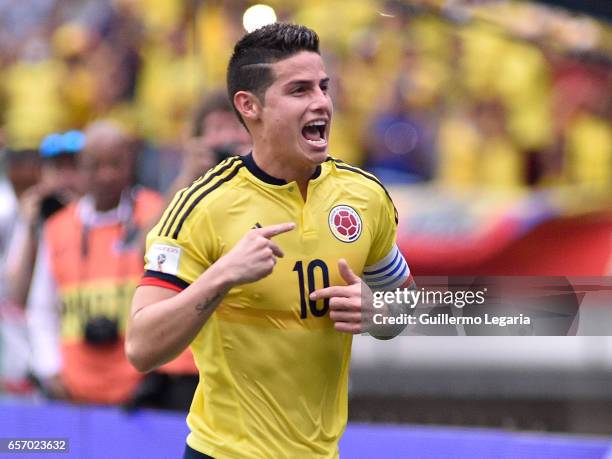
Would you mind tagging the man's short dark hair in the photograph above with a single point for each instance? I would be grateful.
(249, 67)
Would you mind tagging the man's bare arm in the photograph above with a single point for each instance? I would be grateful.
(163, 322)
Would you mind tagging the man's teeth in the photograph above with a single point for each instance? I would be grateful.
(317, 142)
(316, 123)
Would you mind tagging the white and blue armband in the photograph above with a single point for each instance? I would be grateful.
(389, 273)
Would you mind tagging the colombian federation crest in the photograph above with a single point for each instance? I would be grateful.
(345, 223)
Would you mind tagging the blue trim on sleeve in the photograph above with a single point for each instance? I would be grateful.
(390, 283)
(370, 273)
(389, 274)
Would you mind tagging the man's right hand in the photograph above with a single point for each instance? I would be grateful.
(254, 256)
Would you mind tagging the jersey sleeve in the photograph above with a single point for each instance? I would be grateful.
(174, 259)
(386, 268)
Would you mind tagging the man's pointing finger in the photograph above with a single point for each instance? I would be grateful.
(275, 230)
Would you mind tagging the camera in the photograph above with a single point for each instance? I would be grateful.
(224, 151)
(101, 330)
(50, 204)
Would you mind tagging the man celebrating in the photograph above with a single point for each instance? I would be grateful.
(260, 261)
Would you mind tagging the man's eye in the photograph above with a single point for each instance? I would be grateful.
(324, 88)
(297, 91)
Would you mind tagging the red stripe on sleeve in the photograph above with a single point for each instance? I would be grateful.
(159, 283)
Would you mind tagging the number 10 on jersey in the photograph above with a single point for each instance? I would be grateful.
(312, 273)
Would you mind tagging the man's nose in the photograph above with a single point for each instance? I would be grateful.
(321, 101)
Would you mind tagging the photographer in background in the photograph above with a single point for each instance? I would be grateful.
(88, 264)
(215, 135)
(38, 200)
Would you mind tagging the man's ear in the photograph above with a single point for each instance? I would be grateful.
(248, 105)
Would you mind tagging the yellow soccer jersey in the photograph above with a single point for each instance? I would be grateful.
(273, 371)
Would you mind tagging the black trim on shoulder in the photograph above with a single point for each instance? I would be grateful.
(187, 193)
(254, 169)
(342, 165)
(165, 222)
(174, 280)
(202, 195)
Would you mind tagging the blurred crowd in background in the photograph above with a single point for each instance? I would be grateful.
(505, 95)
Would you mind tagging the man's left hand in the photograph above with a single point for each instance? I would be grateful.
(350, 306)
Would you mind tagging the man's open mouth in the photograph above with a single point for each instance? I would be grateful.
(314, 132)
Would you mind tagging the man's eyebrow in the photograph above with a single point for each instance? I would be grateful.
(306, 82)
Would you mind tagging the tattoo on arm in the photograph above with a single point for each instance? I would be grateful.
(207, 305)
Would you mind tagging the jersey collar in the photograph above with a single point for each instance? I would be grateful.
(254, 169)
